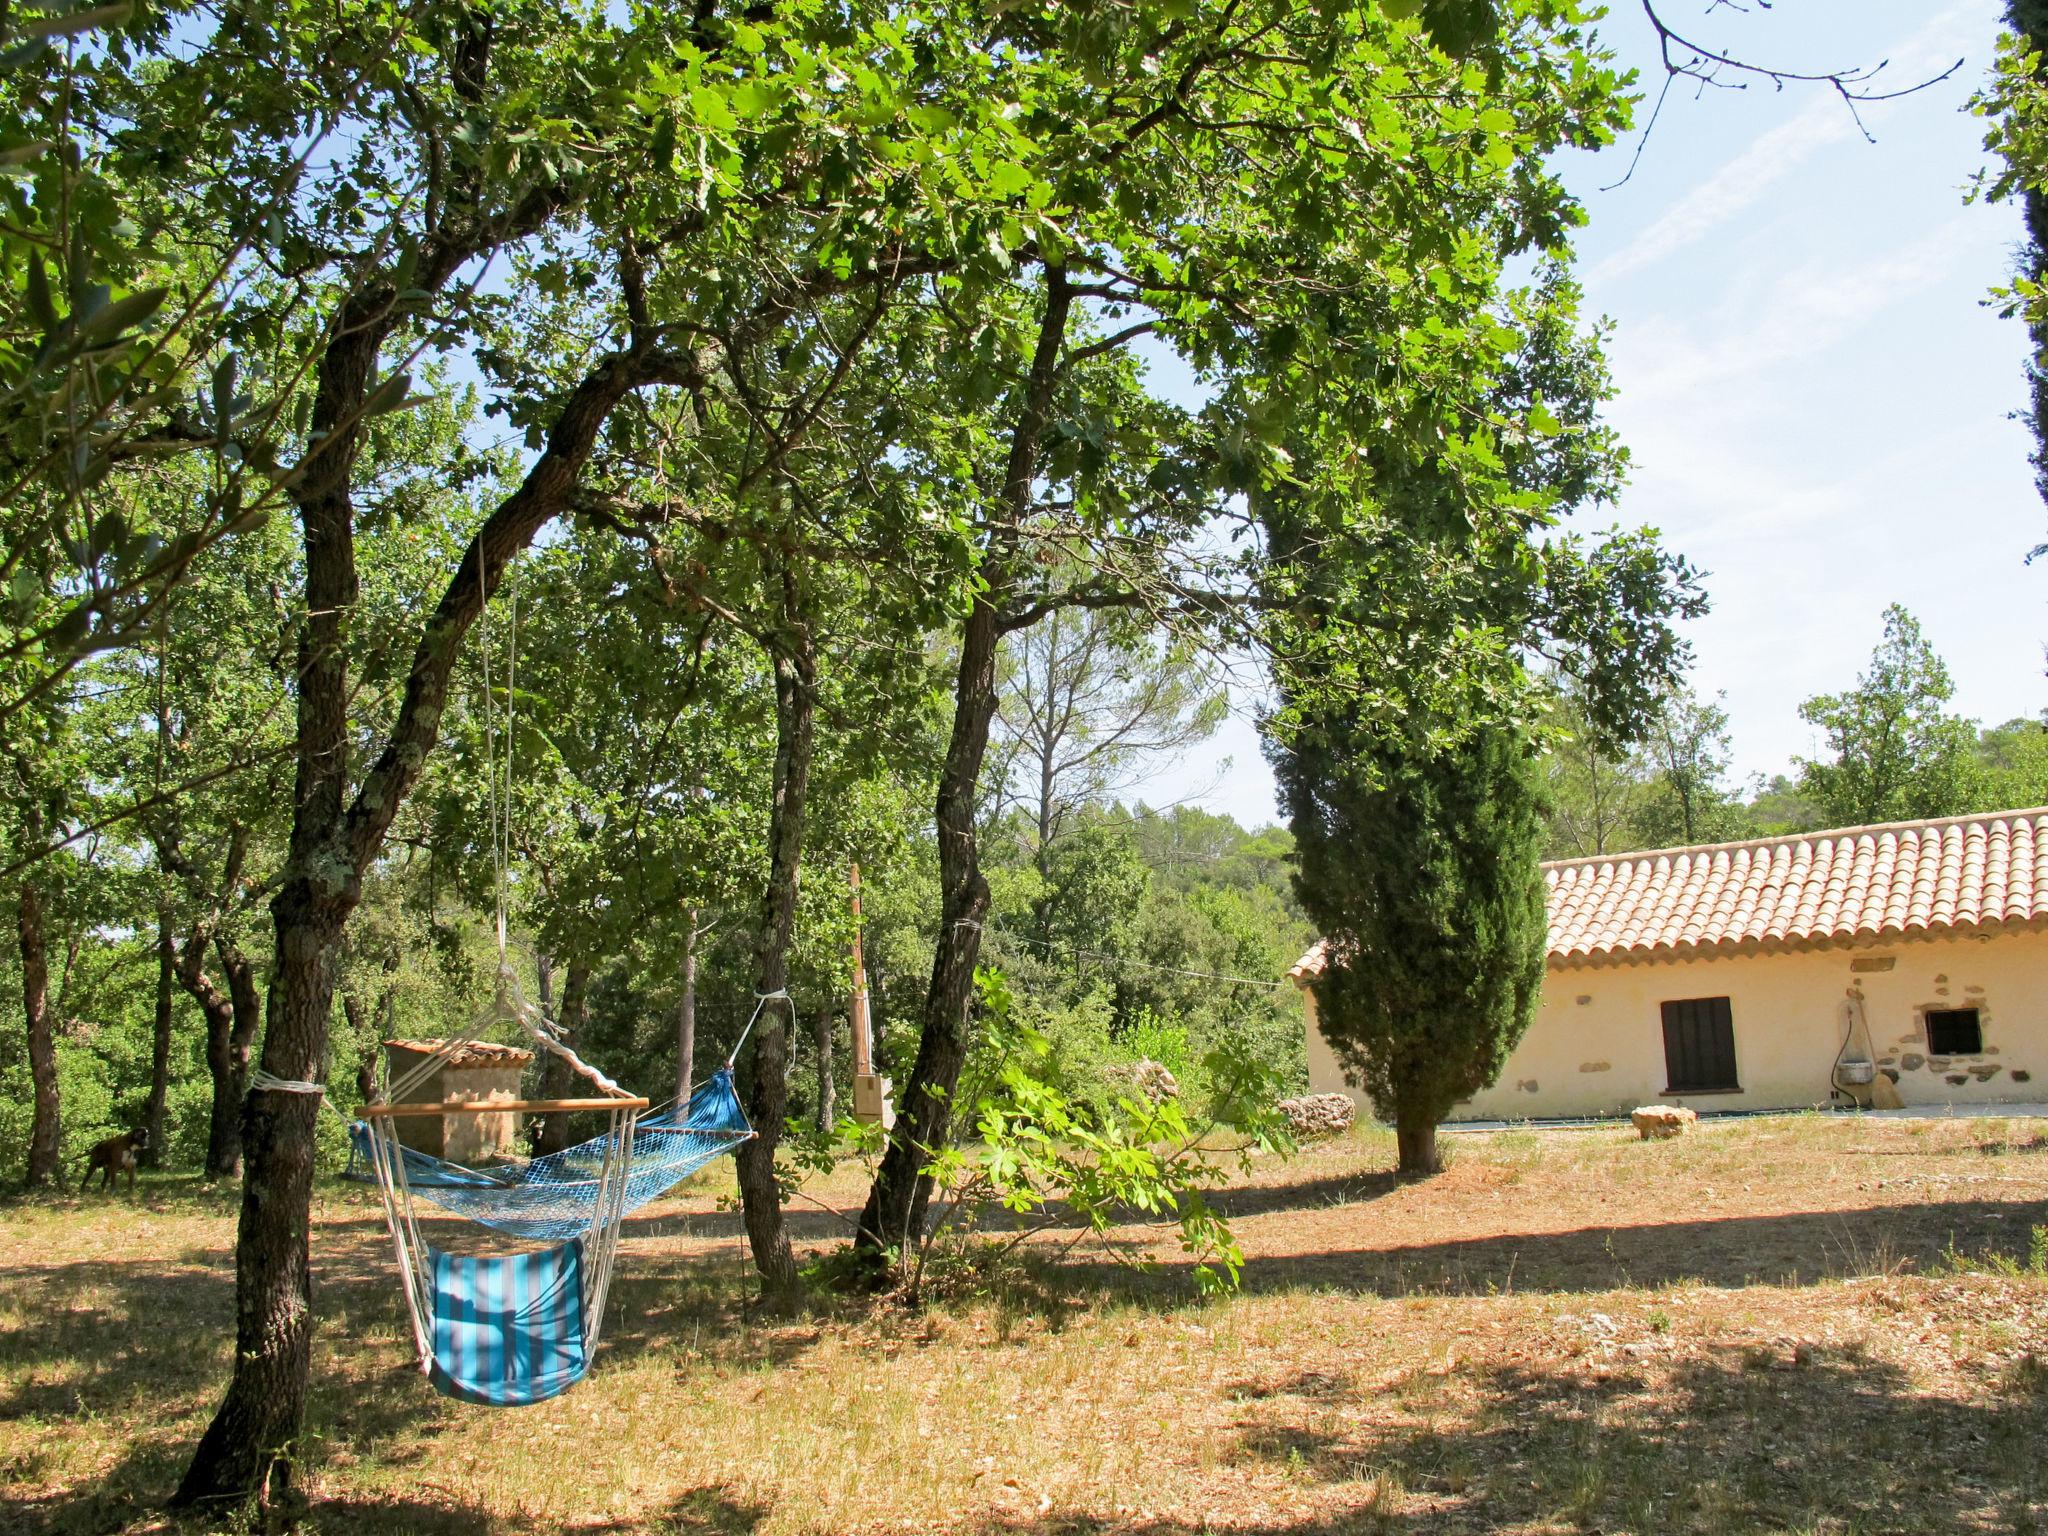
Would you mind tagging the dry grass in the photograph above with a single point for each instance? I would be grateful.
(1795, 1325)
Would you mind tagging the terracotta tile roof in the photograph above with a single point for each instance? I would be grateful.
(1852, 885)
(478, 1053)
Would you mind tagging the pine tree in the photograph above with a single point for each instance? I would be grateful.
(1420, 866)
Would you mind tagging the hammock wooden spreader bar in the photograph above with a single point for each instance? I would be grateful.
(496, 1106)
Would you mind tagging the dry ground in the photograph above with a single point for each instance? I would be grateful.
(1791, 1325)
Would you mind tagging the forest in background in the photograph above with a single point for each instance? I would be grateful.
(1890, 748)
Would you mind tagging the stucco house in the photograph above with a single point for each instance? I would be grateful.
(1900, 963)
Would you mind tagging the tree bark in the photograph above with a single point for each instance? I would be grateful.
(686, 1012)
(828, 1098)
(557, 1079)
(795, 665)
(896, 1204)
(229, 1079)
(1416, 1150)
(153, 1116)
(45, 1148)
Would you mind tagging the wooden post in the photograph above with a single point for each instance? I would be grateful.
(870, 1092)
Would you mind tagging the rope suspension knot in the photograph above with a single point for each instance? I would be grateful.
(761, 1000)
(261, 1081)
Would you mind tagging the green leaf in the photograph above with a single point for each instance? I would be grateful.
(97, 18)
(1006, 178)
(391, 395)
(116, 317)
(753, 98)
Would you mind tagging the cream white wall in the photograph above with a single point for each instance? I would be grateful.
(1597, 1046)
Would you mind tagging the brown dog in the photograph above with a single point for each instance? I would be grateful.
(117, 1154)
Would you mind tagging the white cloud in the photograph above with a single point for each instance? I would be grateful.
(1777, 318)
(1747, 179)
(1738, 185)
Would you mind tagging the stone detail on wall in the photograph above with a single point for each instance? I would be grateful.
(1526, 1085)
(1596, 1066)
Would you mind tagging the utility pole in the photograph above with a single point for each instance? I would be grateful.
(870, 1092)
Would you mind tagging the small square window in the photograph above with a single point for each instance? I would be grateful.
(1954, 1032)
(1699, 1046)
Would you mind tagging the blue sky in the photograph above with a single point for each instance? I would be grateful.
(1815, 394)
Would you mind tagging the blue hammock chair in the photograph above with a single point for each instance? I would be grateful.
(510, 1329)
(506, 1330)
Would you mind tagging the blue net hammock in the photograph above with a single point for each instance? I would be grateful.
(554, 1197)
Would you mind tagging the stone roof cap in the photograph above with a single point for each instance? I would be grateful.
(477, 1053)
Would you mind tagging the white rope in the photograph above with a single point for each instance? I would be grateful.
(761, 1000)
(261, 1081)
(601, 1248)
(387, 1161)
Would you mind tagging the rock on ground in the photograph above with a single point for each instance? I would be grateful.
(1317, 1116)
(1149, 1077)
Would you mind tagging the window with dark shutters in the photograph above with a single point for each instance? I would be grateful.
(1954, 1032)
(1699, 1045)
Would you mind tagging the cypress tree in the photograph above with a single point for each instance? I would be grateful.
(2029, 20)
(1420, 865)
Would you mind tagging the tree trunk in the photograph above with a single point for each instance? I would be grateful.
(1415, 1147)
(230, 1038)
(795, 665)
(249, 1448)
(896, 1204)
(224, 1127)
(686, 1012)
(160, 1041)
(828, 1098)
(557, 1077)
(45, 1149)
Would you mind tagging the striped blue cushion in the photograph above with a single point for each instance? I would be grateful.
(508, 1330)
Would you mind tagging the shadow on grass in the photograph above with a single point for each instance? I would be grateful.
(1728, 1443)
(163, 1194)
(1797, 1248)
(145, 1345)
